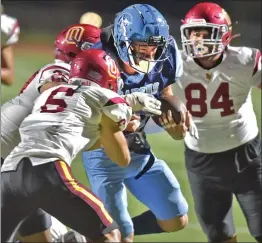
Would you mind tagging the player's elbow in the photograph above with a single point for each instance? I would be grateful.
(8, 80)
(117, 152)
(49, 85)
(123, 159)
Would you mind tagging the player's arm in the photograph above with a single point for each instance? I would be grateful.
(255, 80)
(10, 38)
(167, 91)
(96, 145)
(176, 131)
(7, 65)
(117, 114)
(52, 76)
(254, 62)
(114, 142)
(47, 86)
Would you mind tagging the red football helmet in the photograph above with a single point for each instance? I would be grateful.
(75, 38)
(213, 18)
(93, 67)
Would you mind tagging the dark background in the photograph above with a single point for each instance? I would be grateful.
(49, 17)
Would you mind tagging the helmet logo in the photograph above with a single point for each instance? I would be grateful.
(74, 34)
(120, 84)
(160, 20)
(111, 67)
(227, 18)
(123, 20)
(197, 21)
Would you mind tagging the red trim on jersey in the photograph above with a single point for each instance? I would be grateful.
(122, 122)
(28, 82)
(14, 28)
(82, 192)
(258, 57)
(52, 67)
(116, 100)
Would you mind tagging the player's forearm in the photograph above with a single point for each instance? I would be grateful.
(7, 76)
(97, 145)
(167, 91)
(114, 142)
(116, 148)
(47, 86)
(178, 132)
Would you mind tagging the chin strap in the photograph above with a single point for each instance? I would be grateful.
(234, 36)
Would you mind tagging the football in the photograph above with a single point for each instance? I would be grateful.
(173, 104)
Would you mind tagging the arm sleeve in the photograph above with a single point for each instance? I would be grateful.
(52, 73)
(176, 62)
(10, 30)
(179, 64)
(118, 110)
(255, 79)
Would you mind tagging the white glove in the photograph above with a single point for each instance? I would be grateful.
(193, 130)
(143, 102)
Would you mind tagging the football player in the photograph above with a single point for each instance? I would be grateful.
(69, 42)
(66, 119)
(150, 62)
(216, 88)
(9, 36)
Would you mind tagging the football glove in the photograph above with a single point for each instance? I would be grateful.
(143, 102)
(193, 130)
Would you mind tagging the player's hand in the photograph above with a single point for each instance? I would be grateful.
(192, 129)
(178, 131)
(134, 124)
(143, 102)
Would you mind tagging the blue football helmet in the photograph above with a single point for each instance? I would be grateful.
(141, 23)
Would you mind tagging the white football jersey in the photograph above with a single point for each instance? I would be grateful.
(9, 30)
(14, 111)
(220, 99)
(65, 120)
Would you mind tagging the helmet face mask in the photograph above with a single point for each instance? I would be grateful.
(143, 56)
(209, 42)
(210, 18)
(138, 28)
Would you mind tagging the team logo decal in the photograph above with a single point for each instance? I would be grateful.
(74, 35)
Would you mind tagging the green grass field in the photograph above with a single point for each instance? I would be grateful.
(164, 147)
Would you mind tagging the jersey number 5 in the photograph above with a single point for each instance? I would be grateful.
(53, 104)
(220, 100)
